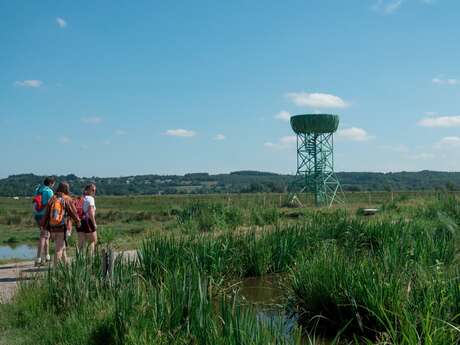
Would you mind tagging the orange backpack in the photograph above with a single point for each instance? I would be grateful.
(57, 211)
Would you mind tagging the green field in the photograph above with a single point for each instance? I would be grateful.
(392, 278)
(125, 221)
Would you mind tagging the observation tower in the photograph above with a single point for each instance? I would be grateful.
(315, 156)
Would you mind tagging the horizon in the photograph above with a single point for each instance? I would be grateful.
(227, 173)
(105, 90)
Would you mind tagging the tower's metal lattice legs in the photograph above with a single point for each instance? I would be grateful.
(315, 163)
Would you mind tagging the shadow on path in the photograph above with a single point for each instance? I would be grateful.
(14, 280)
(8, 267)
(35, 269)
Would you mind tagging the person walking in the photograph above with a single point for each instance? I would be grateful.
(87, 232)
(59, 212)
(42, 195)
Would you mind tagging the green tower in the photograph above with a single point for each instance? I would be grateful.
(315, 156)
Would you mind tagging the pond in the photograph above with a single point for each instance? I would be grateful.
(264, 291)
(268, 297)
(22, 252)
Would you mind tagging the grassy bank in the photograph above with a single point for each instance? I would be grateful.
(390, 279)
(81, 306)
(132, 218)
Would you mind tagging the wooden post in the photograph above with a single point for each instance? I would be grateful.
(104, 262)
(108, 260)
(111, 261)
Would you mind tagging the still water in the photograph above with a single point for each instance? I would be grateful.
(21, 251)
(268, 297)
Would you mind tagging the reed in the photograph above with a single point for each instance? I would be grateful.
(391, 279)
(88, 308)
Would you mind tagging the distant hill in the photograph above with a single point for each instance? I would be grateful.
(234, 182)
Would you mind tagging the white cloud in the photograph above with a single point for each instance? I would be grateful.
(448, 143)
(106, 142)
(283, 143)
(446, 81)
(219, 137)
(180, 133)
(387, 6)
(64, 140)
(440, 121)
(29, 83)
(92, 120)
(120, 132)
(316, 100)
(391, 6)
(283, 115)
(61, 22)
(353, 134)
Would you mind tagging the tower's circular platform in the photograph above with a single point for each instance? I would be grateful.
(314, 123)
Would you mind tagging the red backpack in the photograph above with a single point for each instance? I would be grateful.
(78, 203)
(37, 202)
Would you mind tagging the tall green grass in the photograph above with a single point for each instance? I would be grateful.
(77, 304)
(393, 279)
(210, 216)
(398, 282)
(350, 275)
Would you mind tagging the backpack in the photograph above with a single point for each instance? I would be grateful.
(78, 203)
(57, 211)
(37, 201)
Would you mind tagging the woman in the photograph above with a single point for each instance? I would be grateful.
(59, 213)
(87, 232)
(42, 195)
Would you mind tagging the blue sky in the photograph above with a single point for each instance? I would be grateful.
(103, 89)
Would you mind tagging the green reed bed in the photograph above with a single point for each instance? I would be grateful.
(387, 280)
(335, 292)
(247, 254)
(258, 251)
(201, 216)
(79, 305)
(401, 285)
(351, 276)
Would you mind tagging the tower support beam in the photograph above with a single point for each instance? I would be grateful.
(315, 156)
(315, 164)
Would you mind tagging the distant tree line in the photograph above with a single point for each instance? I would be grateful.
(235, 182)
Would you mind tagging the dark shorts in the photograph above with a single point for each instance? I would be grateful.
(38, 218)
(57, 229)
(87, 226)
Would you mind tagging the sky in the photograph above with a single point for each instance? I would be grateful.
(103, 88)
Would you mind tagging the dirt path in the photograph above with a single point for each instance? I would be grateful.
(12, 274)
